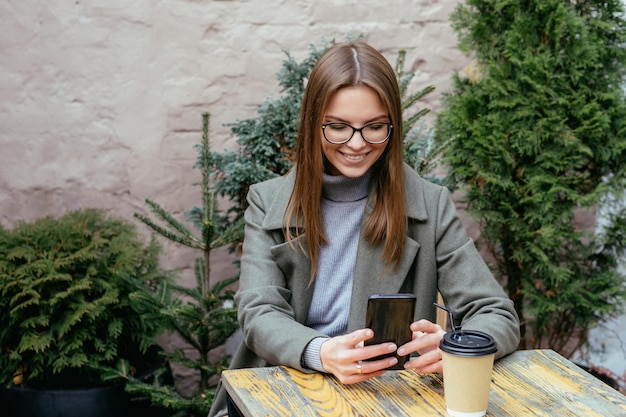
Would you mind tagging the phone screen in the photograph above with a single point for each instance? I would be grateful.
(389, 316)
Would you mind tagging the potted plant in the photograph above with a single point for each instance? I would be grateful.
(67, 314)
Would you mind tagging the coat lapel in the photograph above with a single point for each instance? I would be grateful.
(370, 274)
(294, 263)
(276, 211)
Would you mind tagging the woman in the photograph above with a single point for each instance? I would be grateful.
(351, 220)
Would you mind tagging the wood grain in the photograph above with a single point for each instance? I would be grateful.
(526, 383)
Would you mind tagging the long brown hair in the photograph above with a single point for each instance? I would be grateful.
(348, 64)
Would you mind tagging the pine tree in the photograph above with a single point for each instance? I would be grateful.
(204, 316)
(537, 127)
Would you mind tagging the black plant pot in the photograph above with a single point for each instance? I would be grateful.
(105, 401)
(93, 402)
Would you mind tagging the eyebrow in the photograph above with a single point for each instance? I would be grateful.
(374, 119)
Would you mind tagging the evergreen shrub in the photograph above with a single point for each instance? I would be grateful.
(65, 310)
(537, 133)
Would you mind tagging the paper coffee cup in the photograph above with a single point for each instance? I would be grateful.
(468, 357)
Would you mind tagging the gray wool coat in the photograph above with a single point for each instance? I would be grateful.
(274, 293)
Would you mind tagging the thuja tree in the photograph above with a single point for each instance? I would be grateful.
(538, 132)
(266, 142)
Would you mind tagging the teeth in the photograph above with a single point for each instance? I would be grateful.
(354, 157)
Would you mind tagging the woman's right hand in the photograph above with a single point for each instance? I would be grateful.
(346, 357)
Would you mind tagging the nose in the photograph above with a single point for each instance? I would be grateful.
(357, 141)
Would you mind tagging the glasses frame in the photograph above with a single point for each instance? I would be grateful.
(360, 130)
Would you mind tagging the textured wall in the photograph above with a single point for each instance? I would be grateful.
(101, 101)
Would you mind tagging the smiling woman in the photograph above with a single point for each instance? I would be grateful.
(346, 148)
(351, 220)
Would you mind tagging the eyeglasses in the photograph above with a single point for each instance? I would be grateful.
(373, 133)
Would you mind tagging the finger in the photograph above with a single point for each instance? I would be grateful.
(340, 353)
(355, 376)
(362, 369)
(361, 362)
(351, 352)
(373, 351)
(421, 343)
(432, 368)
(430, 361)
(418, 334)
(356, 338)
(379, 364)
(425, 326)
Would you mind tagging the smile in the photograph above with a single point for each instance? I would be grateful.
(355, 157)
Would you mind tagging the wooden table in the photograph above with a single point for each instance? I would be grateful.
(525, 383)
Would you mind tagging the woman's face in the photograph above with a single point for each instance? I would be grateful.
(356, 106)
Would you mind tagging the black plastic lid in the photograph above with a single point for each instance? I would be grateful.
(468, 343)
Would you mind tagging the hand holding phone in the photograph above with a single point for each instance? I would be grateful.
(389, 316)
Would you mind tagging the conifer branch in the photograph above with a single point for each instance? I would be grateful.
(173, 230)
(414, 98)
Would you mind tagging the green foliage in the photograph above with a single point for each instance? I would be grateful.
(204, 315)
(64, 309)
(537, 130)
(266, 142)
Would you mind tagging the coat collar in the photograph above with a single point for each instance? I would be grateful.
(414, 197)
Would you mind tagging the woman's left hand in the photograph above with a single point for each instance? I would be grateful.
(426, 338)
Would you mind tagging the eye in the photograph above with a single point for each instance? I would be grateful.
(337, 126)
(376, 126)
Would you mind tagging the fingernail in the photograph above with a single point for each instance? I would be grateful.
(401, 351)
(393, 361)
(392, 348)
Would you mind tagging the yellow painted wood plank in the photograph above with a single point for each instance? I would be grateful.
(544, 383)
(266, 393)
(527, 383)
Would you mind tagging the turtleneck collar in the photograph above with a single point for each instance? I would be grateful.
(343, 189)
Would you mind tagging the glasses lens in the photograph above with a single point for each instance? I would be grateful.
(376, 132)
(339, 132)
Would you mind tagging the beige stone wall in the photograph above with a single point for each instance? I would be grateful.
(100, 101)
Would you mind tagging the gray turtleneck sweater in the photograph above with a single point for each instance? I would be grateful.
(343, 203)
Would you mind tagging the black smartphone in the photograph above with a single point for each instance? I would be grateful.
(389, 316)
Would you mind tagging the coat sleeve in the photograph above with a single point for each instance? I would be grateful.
(265, 297)
(477, 300)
